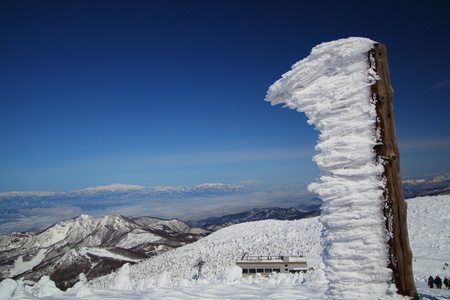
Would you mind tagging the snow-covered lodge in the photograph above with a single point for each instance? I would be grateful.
(265, 265)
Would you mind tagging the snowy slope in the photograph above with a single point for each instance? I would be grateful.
(221, 249)
(429, 236)
(170, 276)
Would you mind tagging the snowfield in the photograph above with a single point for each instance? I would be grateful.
(220, 250)
(173, 275)
(428, 221)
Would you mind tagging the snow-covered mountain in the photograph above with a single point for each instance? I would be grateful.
(173, 274)
(120, 189)
(220, 250)
(112, 194)
(93, 246)
(96, 246)
(431, 185)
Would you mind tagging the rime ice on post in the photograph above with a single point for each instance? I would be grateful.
(333, 87)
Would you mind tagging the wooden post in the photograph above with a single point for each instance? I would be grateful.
(400, 254)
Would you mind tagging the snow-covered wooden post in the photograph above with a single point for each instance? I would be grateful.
(387, 151)
(343, 87)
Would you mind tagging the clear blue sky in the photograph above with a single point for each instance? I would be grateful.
(172, 92)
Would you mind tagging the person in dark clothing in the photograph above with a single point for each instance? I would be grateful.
(446, 282)
(430, 282)
(438, 282)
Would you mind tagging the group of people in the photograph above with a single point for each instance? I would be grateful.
(438, 282)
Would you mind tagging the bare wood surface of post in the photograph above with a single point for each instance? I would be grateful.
(395, 204)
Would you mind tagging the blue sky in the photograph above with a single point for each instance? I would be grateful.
(159, 93)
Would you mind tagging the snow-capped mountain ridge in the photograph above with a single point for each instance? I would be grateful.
(115, 193)
(16, 207)
(275, 213)
(119, 187)
(442, 180)
(431, 185)
(133, 237)
(14, 194)
(112, 187)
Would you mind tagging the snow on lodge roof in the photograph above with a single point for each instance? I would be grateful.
(267, 264)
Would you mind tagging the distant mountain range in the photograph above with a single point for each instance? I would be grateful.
(20, 211)
(272, 213)
(118, 190)
(424, 185)
(17, 206)
(431, 185)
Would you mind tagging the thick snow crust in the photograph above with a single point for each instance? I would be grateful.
(332, 86)
(173, 275)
